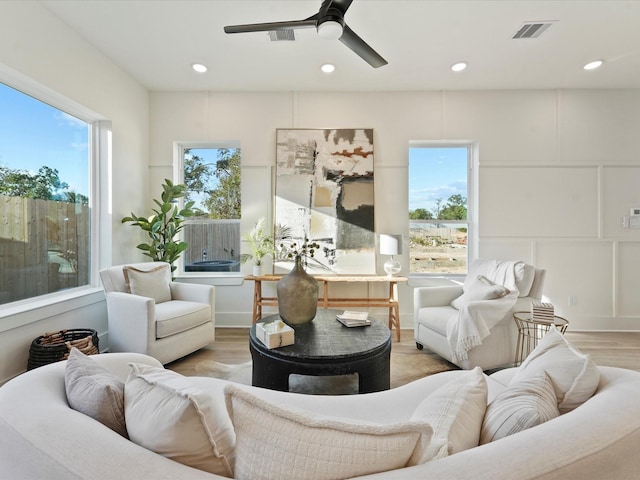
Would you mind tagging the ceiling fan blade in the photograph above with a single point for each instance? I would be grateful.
(342, 5)
(267, 27)
(361, 48)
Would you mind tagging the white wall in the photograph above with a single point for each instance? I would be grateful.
(37, 45)
(558, 170)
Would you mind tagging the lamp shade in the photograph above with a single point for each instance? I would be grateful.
(390, 244)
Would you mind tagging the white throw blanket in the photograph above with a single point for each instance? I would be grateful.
(471, 325)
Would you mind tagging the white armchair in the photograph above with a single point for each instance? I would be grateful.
(436, 320)
(148, 313)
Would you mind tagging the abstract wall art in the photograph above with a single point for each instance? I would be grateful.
(324, 193)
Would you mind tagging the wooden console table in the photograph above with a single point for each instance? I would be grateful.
(325, 301)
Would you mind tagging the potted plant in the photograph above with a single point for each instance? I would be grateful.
(260, 244)
(163, 226)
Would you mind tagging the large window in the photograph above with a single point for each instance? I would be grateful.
(212, 177)
(439, 208)
(45, 232)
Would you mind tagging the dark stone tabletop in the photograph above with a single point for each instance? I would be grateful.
(326, 338)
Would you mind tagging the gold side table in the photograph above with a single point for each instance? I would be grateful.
(530, 331)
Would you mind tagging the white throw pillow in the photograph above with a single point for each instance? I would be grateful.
(455, 412)
(276, 443)
(95, 391)
(168, 415)
(481, 289)
(521, 405)
(525, 274)
(152, 283)
(574, 375)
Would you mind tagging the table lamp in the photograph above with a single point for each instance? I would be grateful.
(391, 245)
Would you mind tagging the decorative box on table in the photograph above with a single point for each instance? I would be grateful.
(542, 312)
(275, 334)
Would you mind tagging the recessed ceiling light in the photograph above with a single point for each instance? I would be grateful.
(458, 67)
(593, 65)
(327, 68)
(198, 67)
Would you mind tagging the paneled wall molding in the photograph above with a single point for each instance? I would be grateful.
(559, 170)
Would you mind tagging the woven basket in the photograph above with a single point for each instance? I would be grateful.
(55, 346)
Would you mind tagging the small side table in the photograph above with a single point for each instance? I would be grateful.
(530, 331)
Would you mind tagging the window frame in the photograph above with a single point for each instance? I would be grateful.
(26, 311)
(179, 147)
(472, 198)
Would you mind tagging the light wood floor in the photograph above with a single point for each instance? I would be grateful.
(615, 349)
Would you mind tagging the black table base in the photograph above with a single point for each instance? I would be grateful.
(325, 347)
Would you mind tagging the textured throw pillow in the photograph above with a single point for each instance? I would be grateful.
(153, 283)
(574, 375)
(520, 406)
(95, 391)
(275, 443)
(455, 412)
(481, 289)
(168, 415)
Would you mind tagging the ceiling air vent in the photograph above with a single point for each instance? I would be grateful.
(532, 29)
(282, 35)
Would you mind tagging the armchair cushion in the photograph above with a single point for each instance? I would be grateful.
(437, 318)
(481, 289)
(152, 283)
(178, 316)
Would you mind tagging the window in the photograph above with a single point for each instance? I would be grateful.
(45, 235)
(439, 207)
(212, 177)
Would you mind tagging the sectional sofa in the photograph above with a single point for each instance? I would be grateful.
(42, 437)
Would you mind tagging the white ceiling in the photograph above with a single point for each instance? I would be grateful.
(156, 41)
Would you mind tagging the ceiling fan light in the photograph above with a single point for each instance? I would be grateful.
(593, 65)
(330, 30)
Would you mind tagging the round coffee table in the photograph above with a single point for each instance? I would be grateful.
(325, 347)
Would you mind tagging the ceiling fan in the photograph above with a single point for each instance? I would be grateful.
(330, 24)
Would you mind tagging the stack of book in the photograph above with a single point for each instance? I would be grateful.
(354, 319)
(542, 312)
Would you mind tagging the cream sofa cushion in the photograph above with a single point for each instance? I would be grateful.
(152, 283)
(574, 375)
(95, 391)
(455, 412)
(168, 415)
(285, 444)
(521, 405)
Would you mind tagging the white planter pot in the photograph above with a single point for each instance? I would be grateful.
(257, 270)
